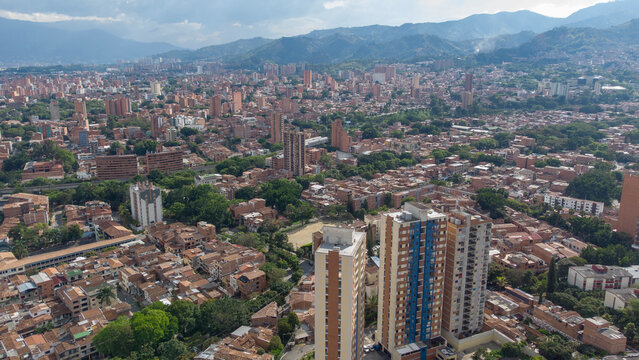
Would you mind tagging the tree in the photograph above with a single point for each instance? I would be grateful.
(293, 320)
(222, 316)
(275, 344)
(479, 354)
(596, 185)
(115, 339)
(511, 350)
(302, 212)
(552, 276)
(150, 326)
(186, 314)
(280, 193)
(555, 348)
(501, 282)
(245, 193)
(106, 295)
(171, 349)
(492, 200)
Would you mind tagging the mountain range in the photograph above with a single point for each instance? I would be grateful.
(481, 33)
(29, 43)
(502, 34)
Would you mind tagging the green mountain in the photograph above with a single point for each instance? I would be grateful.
(217, 52)
(33, 43)
(563, 41)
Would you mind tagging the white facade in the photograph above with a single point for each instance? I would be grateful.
(340, 263)
(146, 203)
(587, 206)
(599, 277)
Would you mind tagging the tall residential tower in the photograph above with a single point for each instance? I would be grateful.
(467, 259)
(340, 291)
(411, 282)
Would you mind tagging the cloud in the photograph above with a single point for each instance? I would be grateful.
(55, 17)
(296, 26)
(330, 5)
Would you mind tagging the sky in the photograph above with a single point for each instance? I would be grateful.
(197, 23)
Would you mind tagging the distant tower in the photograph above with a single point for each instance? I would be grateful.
(277, 127)
(628, 209)
(294, 152)
(237, 101)
(308, 79)
(339, 137)
(215, 107)
(468, 82)
(54, 109)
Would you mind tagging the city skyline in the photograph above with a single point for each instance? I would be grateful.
(211, 23)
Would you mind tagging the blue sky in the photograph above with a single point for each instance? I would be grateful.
(196, 23)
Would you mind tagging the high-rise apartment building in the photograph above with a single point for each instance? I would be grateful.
(165, 161)
(339, 137)
(54, 109)
(308, 79)
(156, 88)
(215, 106)
(340, 262)
(294, 152)
(156, 126)
(118, 106)
(467, 99)
(277, 127)
(117, 167)
(411, 282)
(466, 273)
(146, 203)
(237, 101)
(80, 107)
(628, 210)
(468, 82)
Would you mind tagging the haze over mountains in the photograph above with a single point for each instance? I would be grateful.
(28, 43)
(516, 31)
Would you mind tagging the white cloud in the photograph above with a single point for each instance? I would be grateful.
(55, 17)
(237, 24)
(330, 5)
(296, 26)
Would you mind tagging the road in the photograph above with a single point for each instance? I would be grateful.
(298, 351)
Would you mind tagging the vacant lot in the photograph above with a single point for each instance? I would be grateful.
(304, 235)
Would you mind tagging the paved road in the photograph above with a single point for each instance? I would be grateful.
(298, 351)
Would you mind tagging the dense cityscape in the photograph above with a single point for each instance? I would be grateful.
(456, 207)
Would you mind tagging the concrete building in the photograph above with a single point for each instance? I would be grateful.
(618, 298)
(340, 261)
(118, 106)
(237, 101)
(146, 203)
(294, 152)
(411, 282)
(277, 128)
(578, 205)
(599, 277)
(117, 167)
(308, 79)
(165, 162)
(467, 259)
(339, 137)
(215, 106)
(628, 209)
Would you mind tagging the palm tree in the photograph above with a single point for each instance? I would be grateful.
(106, 295)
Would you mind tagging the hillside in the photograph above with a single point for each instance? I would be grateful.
(35, 43)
